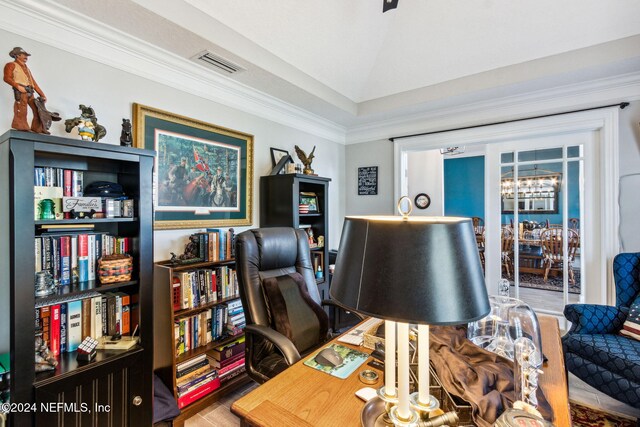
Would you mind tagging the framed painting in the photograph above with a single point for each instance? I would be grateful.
(203, 173)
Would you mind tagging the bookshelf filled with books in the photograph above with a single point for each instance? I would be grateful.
(70, 208)
(300, 201)
(199, 324)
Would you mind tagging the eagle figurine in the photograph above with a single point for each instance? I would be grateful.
(306, 160)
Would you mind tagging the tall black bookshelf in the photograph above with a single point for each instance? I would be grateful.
(119, 383)
(280, 197)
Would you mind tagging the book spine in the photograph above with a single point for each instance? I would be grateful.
(197, 382)
(83, 257)
(230, 375)
(54, 330)
(75, 325)
(65, 260)
(191, 365)
(105, 320)
(96, 317)
(78, 184)
(198, 393)
(63, 327)
(74, 258)
(111, 315)
(86, 318)
(55, 259)
(91, 252)
(67, 187)
(118, 314)
(225, 363)
(228, 352)
(176, 292)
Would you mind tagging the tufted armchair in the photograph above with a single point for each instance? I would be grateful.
(593, 349)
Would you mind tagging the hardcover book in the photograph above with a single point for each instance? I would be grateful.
(74, 330)
(54, 330)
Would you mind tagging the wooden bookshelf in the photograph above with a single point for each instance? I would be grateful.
(118, 378)
(165, 358)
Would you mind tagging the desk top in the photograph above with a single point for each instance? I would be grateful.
(301, 396)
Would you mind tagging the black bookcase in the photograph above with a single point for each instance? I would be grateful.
(120, 382)
(279, 207)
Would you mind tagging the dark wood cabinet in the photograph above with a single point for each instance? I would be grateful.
(280, 199)
(119, 383)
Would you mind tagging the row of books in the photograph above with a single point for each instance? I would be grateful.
(71, 181)
(201, 375)
(65, 325)
(74, 257)
(207, 326)
(202, 286)
(215, 244)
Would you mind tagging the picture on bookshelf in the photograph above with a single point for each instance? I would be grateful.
(311, 200)
(204, 173)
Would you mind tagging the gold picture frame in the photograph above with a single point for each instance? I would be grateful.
(203, 175)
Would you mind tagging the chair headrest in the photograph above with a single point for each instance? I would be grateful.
(277, 247)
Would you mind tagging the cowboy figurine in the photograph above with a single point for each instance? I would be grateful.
(17, 75)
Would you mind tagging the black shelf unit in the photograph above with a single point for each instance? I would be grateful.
(165, 358)
(123, 380)
(279, 201)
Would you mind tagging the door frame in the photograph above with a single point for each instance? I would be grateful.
(603, 123)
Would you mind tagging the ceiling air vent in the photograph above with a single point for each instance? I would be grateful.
(217, 62)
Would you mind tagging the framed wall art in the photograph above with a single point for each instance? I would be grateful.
(203, 173)
(368, 181)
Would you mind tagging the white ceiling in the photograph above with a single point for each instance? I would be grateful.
(346, 61)
(355, 49)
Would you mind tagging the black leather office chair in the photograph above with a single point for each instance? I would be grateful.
(280, 297)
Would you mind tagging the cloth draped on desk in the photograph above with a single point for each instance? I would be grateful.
(481, 378)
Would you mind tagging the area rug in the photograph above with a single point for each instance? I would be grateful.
(583, 416)
(536, 281)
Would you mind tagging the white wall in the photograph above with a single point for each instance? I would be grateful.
(630, 177)
(376, 153)
(69, 80)
(425, 176)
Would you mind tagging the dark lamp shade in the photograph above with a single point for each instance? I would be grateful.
(423, 270)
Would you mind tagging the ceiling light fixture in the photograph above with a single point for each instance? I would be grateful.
(389, 4)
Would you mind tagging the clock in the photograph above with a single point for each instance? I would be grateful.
(422, 201)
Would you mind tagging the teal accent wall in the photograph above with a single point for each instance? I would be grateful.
(464, 186)
(464, 190)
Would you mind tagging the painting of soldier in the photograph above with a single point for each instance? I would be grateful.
(196, 174)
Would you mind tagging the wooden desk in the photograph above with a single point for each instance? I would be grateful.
(302, 397)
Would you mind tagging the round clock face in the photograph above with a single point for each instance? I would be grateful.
(422, 201)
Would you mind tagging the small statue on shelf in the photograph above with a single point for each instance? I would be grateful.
(45, 360)
(191, 252)
(87, 124)
(19, 77)
(125, 135)
(306, 160)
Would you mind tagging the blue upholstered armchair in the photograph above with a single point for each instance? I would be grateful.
(593, 349)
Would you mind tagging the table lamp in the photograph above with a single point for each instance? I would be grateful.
(418, 270)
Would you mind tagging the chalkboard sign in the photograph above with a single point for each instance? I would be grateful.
(368, 181)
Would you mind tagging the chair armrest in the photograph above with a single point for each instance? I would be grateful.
(594, 319)
(335, 304)
(286, 347)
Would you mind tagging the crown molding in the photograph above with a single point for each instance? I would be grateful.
(609, 90)
(49, 23)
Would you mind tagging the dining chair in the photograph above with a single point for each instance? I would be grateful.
(507, 250)
(478, 225)
(551, 240)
